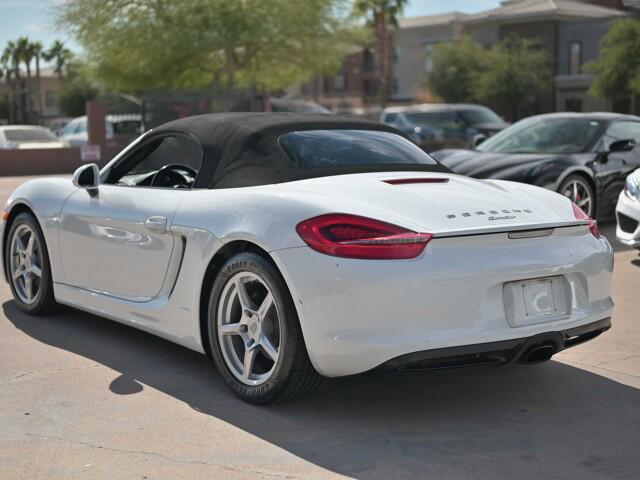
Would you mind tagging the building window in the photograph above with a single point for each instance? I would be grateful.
(396, 54)
(428, 57)
(395, 88)
(575, 58)
(339, 82)
(50, 99)
(573, 105)
(368, 61)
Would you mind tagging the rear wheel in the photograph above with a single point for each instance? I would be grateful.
(578, 189)
(27, 266)
(254, 333)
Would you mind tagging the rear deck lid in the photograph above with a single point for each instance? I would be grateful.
(445, 204)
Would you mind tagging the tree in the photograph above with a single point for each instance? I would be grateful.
(516, 71)
(4, 103)
(4, 97)
(11, 63)
(6, 73)
(38, 50)
(154, 44)
(513, 71)
(455, 69)
(381, 14)
(617, 68)
(25, 53)
(76, 90)
(61, 57)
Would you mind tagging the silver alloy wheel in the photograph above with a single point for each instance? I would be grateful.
(579, 193)
(25, 264)
(249, 328)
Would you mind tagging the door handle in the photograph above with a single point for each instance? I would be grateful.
(156, 224)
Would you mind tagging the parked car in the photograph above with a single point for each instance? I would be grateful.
(298, 106)
(56, 125)
(28, 136)
(584, 156)
(628, 212)
(436, 126)
(119, 129)
(290, 246)
(250, 104)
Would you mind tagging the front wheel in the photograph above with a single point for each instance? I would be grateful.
(577, 189)
(27, 266)
(254, 333)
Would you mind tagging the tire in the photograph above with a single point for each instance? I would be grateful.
(582, 195)
(26, 252)
(252, 321)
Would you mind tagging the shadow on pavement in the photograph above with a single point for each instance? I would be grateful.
(608, 229)
(547, 421)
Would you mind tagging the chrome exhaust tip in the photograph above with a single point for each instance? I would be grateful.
(538, 354)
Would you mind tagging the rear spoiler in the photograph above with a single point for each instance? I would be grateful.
(511, 229)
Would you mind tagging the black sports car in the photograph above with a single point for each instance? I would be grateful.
(584, 156)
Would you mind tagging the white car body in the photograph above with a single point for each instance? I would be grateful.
(628, 212)
(355, 314)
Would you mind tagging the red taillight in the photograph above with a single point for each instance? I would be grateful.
(352, 236)
(580, 215)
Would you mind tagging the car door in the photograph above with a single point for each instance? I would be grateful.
(614, 167)
(117, 240)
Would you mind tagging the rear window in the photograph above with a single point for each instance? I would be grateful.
(479, 116)
(390, 117)
(334, 148)
(29, 135)
(127, 127)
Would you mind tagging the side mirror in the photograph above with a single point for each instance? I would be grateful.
(622, 145)
(87, 177)
(478, 139)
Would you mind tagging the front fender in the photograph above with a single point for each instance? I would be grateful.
(549, 174)
(45, 197)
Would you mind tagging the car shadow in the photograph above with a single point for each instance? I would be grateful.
(548, 421)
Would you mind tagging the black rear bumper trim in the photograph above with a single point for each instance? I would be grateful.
(503, 352)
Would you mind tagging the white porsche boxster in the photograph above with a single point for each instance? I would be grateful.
(292, 246)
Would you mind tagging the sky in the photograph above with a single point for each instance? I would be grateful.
(34, 18)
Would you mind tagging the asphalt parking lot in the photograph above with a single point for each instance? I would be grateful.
(82, 397)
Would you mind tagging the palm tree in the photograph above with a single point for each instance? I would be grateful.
(38, 51)
(25, 52)
(60, 55)
(5, 71)
(11, 60)
(380, 14)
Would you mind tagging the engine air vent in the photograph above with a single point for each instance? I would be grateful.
(407, 181)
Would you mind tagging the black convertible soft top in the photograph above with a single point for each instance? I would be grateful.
(242, 149)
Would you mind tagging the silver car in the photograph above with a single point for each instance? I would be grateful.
(437, 126)
(28, 136)
(122, 128)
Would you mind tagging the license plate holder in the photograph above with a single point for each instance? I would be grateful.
(538, 300)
